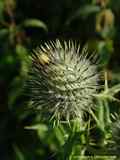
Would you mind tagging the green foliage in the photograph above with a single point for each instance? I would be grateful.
(27, 24)
(34, 23)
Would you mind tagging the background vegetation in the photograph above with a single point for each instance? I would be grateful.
(23, 26)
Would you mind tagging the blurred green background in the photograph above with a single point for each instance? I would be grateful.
(26, 24)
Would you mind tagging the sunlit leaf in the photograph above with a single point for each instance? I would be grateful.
(40, 128)
(35, 23)
(113, 90)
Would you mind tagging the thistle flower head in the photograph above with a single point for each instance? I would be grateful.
(62, 80)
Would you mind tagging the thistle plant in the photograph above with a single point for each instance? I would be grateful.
(63, 80)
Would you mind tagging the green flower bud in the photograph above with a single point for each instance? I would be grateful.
(63, 80)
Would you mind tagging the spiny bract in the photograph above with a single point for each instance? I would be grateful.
(63, 80)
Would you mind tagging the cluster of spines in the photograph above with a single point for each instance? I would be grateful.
(63, 79)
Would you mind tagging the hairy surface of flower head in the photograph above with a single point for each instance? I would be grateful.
(63, 80)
